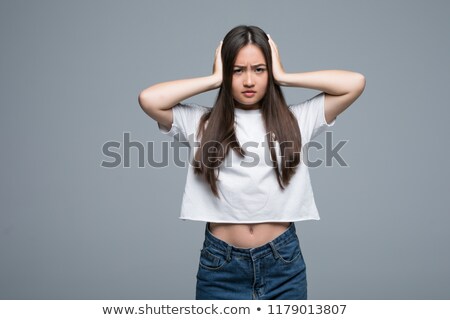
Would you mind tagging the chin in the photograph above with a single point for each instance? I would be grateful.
(247, 102)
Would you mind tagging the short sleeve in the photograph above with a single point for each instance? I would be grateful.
(310, 115)
(186, 117)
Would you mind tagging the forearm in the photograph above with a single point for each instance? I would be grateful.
(166, 95)
(334, 82)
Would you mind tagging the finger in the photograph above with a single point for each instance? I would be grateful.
(272, 43)
(219, 48)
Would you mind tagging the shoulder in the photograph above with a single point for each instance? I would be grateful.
(311, 103)
(188, 113)
(191, 108)
(310, 115)
(186, 116)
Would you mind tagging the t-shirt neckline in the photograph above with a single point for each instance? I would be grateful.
(239, 111)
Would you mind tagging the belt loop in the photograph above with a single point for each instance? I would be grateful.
(229, 253)
(274, 250)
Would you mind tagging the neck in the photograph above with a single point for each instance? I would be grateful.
(247, 107)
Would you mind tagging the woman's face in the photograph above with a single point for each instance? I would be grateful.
(250, 77)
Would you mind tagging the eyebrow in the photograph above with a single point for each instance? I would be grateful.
(254, 66)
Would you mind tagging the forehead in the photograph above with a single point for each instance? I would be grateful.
(250, 54)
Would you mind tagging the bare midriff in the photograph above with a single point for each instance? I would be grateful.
(248, 235)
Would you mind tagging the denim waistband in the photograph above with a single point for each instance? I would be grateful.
(251, 253)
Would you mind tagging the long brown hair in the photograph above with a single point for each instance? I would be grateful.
(216, 126)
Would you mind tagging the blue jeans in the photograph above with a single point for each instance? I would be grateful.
(275, 270)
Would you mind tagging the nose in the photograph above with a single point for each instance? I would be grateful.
(248, 80)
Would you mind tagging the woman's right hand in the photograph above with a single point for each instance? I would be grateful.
(217, 67)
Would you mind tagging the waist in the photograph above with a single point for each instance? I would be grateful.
(247, 235)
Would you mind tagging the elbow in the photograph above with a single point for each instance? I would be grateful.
(360, 83)
(146, 101)
(141, 98)
(356, 84)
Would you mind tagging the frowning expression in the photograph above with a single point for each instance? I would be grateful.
(250, 77)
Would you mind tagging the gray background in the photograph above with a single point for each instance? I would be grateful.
(70, 75)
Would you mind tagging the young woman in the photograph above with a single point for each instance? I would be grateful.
(246, 179)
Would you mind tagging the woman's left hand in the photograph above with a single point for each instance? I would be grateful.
(277, 67)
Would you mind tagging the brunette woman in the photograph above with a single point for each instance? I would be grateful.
(247, 180)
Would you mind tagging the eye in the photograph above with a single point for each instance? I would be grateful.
(238, 71)
(260, 70)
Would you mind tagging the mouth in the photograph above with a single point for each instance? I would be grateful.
(249, 93)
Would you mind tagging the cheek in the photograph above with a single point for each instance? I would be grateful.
(264, 85)
(235, 88)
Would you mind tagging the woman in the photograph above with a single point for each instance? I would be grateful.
(247, 180)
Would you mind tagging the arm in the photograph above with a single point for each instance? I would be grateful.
(158, 100)
(341, 87)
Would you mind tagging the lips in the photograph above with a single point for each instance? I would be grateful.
(249, 93)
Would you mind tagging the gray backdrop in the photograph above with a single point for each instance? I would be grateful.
(71, 72)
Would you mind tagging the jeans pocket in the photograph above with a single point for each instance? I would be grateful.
(290, 251)
(212, 259)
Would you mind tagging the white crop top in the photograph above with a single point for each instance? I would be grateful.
(248, 187)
